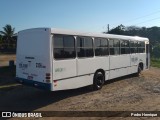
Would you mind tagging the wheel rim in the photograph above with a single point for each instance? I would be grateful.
(100, 81)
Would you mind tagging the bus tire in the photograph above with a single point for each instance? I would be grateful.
(139, 71)
(98, 80)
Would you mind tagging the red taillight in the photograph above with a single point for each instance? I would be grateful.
(55, 81)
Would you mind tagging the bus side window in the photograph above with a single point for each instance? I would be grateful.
(101, 46)
(133, 47)
(111, 47)
(64, 47)
(116, 47)
(125, 47)
(84, 47)
(141, 47)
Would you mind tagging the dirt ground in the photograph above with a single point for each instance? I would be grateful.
(123, 94)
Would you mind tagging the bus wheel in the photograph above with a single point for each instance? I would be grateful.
(139, 71)
(98, 81)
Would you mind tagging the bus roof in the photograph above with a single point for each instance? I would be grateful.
(73, 32)
(80, 33)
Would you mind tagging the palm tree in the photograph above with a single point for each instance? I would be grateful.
(7, 33)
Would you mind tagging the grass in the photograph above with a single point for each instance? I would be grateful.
(155, 62)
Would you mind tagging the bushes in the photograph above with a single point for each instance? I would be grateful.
(155, 62)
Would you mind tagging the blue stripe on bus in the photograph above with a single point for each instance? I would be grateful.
(40, 85)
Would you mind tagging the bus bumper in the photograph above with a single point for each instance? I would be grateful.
(40, 85)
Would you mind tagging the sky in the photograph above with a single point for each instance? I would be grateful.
(83, 15)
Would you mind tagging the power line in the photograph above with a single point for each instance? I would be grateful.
(147, 21)
(150, 14)
(144, 16)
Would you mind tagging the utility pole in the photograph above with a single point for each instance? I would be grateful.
(108, 27)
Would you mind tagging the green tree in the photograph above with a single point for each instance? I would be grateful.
(7, 33)
(119, 30)
(156, 51)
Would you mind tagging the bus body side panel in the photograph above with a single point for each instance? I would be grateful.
(33, 58)
(76, 73)
(119, 65)
(73, 83)
(134, 59)
(64, 69)
(90, 65)
(142, 58)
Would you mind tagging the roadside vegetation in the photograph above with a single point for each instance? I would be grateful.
(8, 40)
(155, 62)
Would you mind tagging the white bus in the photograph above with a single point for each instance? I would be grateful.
(55, 59)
